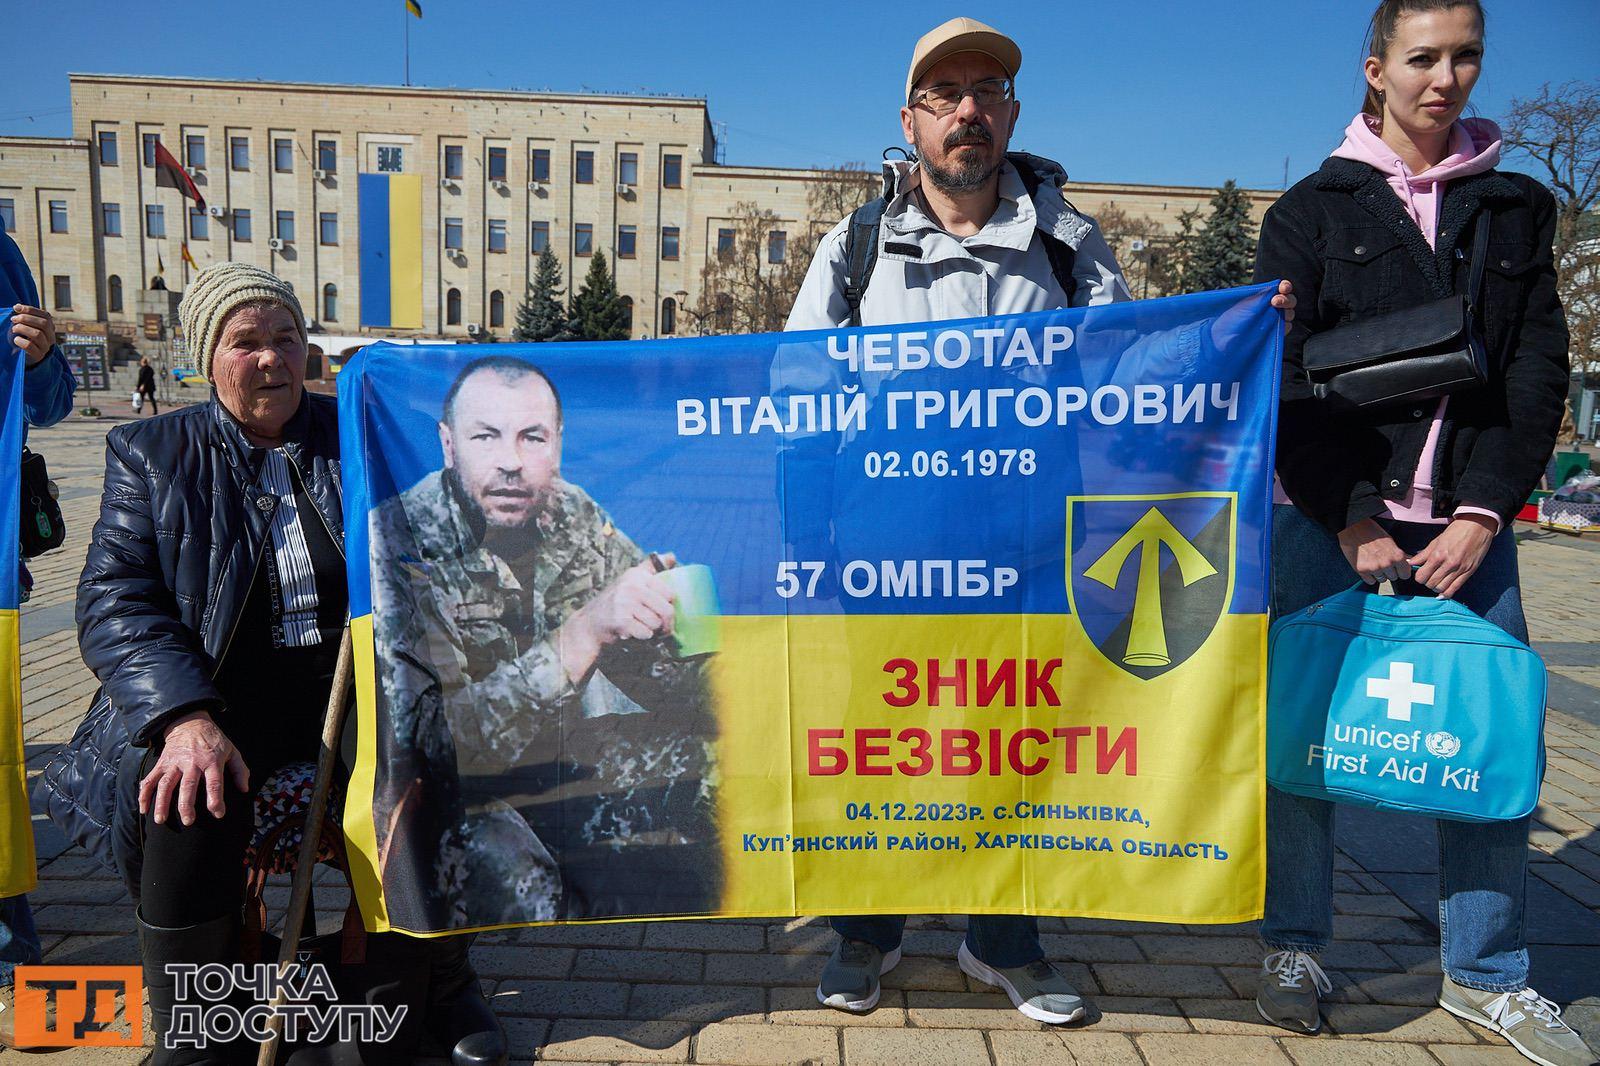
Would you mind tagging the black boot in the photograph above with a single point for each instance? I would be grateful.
(214, 941)
(459, 1016)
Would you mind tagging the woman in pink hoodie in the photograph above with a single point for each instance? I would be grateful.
(1418, 493)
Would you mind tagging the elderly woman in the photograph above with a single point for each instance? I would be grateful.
(210, 608)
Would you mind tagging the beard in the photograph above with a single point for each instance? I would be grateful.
(971, 172)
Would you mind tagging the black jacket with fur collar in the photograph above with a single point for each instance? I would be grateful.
(1344, 239)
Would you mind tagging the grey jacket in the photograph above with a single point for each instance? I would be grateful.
(999, 270)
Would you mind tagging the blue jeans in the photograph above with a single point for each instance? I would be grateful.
(1003, 941)
(19, 943)
(1483, 867)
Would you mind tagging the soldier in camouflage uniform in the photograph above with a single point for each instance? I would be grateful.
(548, 755)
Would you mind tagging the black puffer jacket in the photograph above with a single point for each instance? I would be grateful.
(1343, 237)
(183, 524)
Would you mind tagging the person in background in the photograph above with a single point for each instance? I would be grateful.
(146, 388)
(1419, 493)
(47, 387)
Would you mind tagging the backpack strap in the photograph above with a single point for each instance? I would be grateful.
(1062, 257)
(861, 253)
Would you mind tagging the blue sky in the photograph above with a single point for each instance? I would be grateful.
(1160, 91)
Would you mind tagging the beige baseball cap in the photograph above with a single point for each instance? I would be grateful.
(962, 35)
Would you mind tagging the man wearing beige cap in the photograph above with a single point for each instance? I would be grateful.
(963, 230)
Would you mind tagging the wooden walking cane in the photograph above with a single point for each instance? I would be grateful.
(300, 885)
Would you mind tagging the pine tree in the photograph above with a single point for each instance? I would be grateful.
(1224, 250)
(541, 316)
(597, 311)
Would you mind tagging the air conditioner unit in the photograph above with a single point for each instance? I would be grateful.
(194, 172)
(497, 185)
(447, 183)
(624, 189)
(1136, 245)
(456, 254)
(216, 210)
(537, 186)
(474, 330)
(276, 244)
(319, 174)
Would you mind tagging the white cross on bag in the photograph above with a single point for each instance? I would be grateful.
(1400, 691)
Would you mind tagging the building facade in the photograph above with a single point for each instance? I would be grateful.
(503, 175)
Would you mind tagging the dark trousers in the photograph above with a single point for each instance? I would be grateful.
(1003, 941)
(191, 874)
(184, 875)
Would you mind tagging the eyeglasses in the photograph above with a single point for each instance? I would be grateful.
(943, 99)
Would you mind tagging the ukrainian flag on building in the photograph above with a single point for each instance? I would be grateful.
(391, 250)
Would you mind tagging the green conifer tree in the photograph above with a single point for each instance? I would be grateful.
(541, 315)
(1224, 251)
(597, 311)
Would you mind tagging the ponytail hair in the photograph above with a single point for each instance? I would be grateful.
(1380, 34)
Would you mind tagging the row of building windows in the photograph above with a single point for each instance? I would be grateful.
(194, 152)
(391, 158)
(155, 225)
(61, 293)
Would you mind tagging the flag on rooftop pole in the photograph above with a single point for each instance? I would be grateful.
(172, 176)
(415, 8)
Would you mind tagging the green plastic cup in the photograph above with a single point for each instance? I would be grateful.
(697, 618)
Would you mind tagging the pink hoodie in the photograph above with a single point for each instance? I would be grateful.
(1474, 147)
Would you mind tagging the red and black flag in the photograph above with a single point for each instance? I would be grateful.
(172, 176)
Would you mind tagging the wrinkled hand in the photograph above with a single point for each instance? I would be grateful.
(1285, 301)
(636, 606)
(33, 330)
(1454, 555)
(196, 752)
(1373, 554)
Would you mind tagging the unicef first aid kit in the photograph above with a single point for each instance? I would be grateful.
(1406, 703)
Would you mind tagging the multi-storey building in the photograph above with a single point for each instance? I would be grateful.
(502, 175)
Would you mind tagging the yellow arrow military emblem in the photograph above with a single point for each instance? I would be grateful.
(1147, 638)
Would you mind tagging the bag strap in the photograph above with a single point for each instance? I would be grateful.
(861, 253)
(1061, 255)
(353, 933)
(1480, 256)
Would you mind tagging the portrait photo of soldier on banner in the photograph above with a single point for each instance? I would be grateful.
(543, 701)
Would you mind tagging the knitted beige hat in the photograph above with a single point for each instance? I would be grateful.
(220, 288)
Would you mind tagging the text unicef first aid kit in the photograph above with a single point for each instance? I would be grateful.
(1405, 703)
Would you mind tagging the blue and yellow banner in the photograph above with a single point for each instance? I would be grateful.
(17, 873)
(956, 617)
(391, 250)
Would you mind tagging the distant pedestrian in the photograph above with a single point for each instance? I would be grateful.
(146, 389)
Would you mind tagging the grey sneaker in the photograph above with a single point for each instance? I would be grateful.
(850, 980)
(1530, 1022)
(1037, 990)
(1290, 982)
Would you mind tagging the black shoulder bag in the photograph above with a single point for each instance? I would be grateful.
(42, 528)
(1430, 350)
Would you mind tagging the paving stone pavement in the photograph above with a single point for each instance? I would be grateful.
(742, 992)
